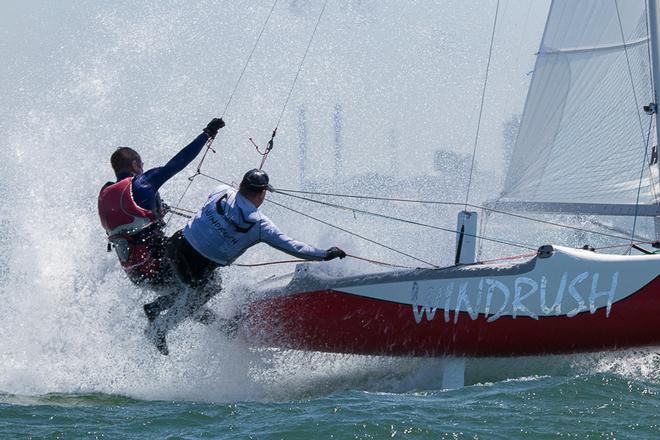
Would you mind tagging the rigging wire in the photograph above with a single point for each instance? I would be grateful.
(334, 226)
(630, 74)
(368, 260)
(639, 186)
(435, 202)
(231, 97)
(361, 211)
(471, 205)
(353, 234)
(302, 61)
(190, 181)
(264, 155)
(528, 247)
(398, 266)
(481, 106)
(254, 47)
(388, 217)
(645, 138)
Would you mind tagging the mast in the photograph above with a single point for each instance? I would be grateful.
(654, 41)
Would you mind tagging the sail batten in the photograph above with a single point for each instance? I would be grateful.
(595, 48)
(580, 138)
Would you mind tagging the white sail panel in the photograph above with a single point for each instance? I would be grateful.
(580, 139)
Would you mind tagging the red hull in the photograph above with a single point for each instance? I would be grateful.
(333, 321)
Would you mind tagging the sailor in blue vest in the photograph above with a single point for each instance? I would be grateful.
(227, 225)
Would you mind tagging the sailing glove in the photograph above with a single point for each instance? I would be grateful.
(334, 252)
(213, 127)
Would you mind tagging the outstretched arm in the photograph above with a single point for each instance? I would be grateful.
(277, 239)
(146, 185)
(156, 177)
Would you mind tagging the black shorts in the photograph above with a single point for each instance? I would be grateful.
(191, 267)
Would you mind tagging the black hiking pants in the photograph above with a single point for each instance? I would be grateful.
(193, 270)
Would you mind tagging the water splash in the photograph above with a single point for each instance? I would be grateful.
(150, 76)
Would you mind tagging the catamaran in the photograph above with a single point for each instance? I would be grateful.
(587, 145)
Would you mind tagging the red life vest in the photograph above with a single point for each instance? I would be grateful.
(139, 249)
(119, 213)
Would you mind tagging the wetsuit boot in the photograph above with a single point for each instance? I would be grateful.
(156, 334)
(164, 302)
(161, 343)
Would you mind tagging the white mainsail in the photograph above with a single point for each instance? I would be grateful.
(583, 135)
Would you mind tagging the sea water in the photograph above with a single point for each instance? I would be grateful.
(387, 89)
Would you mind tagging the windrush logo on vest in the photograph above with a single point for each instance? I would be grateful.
(515, 297)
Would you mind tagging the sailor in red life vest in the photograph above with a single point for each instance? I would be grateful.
(131, 210)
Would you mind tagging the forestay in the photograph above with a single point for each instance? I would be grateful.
(582, 137)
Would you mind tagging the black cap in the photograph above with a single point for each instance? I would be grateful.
(256, 180)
